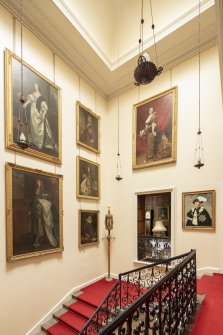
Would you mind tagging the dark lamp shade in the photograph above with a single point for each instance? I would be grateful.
(145, 72)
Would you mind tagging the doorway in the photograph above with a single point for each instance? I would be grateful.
(154, 225)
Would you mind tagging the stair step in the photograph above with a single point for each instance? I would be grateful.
(81, 308)
(72, 320)
(60, 329)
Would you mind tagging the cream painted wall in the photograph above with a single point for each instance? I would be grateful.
(31, 287)
(182, 175)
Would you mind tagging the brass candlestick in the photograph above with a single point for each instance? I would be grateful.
(108, 227)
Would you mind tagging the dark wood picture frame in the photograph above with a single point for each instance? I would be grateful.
(88, 128)
(155, 130)
(34, 212)
(198, 210)
(88, 179)
(42, 110)
(88, 222)
(162, 213)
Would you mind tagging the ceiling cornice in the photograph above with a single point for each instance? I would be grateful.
(176, 42)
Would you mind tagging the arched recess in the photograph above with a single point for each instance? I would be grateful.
(153, 192)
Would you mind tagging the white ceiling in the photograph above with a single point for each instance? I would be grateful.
(99, 38)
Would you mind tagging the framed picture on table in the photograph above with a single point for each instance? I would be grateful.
(155, 130)
(34, 214)
(38, 121)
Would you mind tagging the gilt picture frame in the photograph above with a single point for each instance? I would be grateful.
(88, 179)
(88, 223)
(34, 213)
(155, 130)
(88, 128)
(198, 210)
(39, 116)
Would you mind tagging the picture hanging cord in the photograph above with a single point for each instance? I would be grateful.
(79, 88)
(153, 28)
(138, 93)
(170, 77)
(95, 110)
(14, 34)
(54, 68)
(79, 98)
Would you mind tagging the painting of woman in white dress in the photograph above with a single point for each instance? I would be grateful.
(39, 115)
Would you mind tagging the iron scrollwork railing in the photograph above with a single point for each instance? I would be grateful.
(156, 299)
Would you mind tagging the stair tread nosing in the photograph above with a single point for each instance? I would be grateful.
(82, 308)
(60, 329)
(73, 320)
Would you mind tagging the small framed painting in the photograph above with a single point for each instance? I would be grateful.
(88, 228)
(198, 210)
(155, 130)
(162, 213)
(40, 118)
(88, 128)
(33, 212)
(88, 179)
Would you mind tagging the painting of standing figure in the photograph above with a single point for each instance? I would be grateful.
(88, 128)
(34, 212)
(88, 179)
(38, 118)
(154, 130)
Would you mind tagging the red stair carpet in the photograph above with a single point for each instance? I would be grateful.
(73, 318)
(209, 320)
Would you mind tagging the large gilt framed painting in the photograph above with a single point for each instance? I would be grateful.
(88, 228)
(33, 212)
(155, 130)
(88, 179)
(88, 128)
(40, 117)
(198, 212)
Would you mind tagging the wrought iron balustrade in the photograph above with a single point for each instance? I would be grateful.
(152, 248)
(156, 299)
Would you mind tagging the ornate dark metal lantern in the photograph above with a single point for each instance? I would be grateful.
(145, 71)
(199, 158)
(22, 130)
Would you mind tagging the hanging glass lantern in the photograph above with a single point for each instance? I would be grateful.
(199, 158)
(22, 134)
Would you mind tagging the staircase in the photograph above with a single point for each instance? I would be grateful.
(75, 313)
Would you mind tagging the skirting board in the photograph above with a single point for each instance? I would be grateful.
(48, 316)
(207, 271)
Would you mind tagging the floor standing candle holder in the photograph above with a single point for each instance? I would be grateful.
(109, 227)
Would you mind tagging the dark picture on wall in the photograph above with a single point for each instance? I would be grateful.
(155, 130)
(88, 128)
(34, 212)
(88, 227)
(88, 179)
(41, 111)
(198, 210)
(162, 213)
